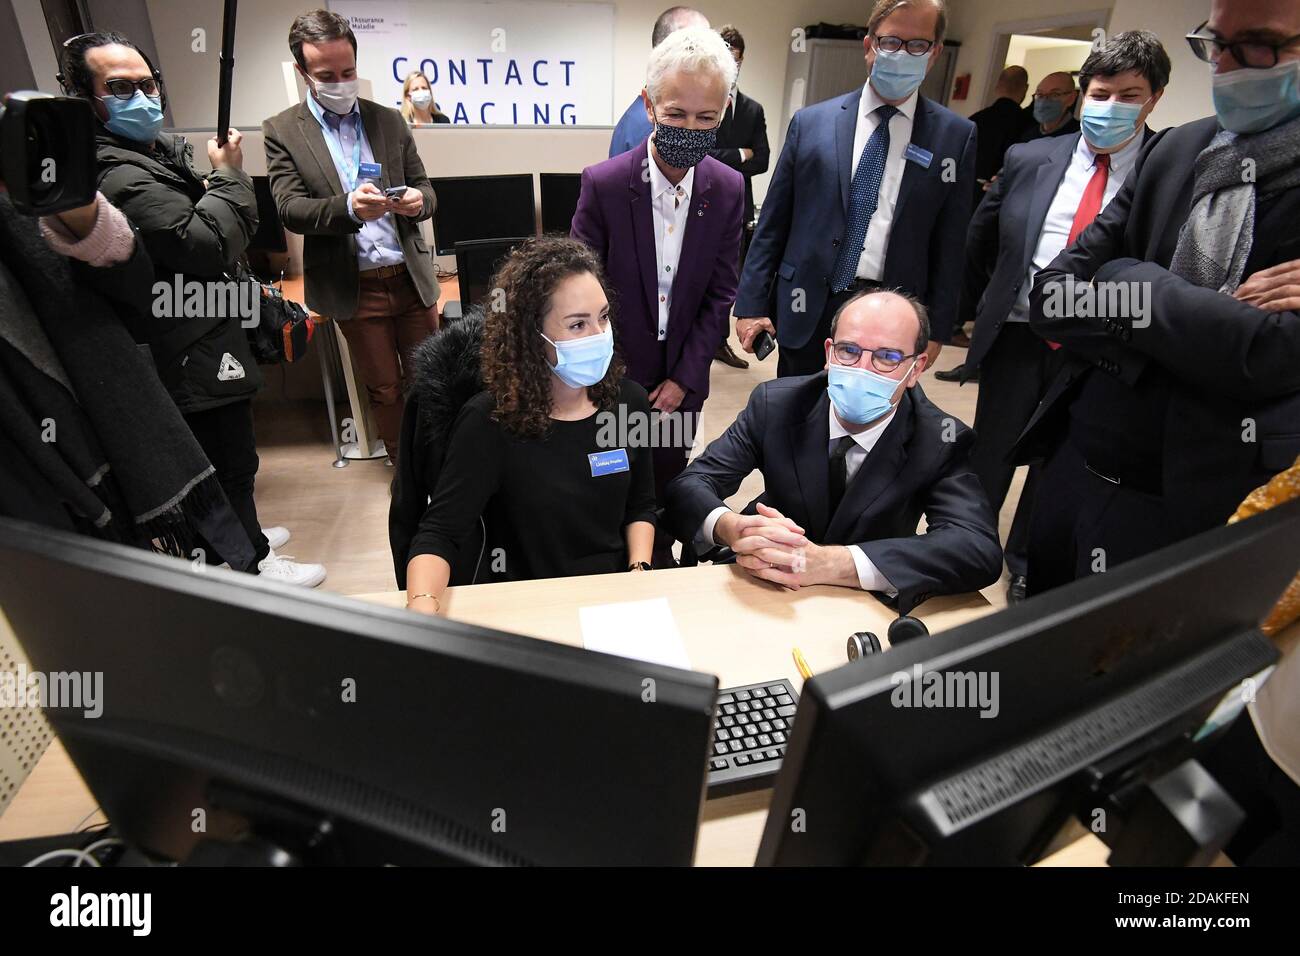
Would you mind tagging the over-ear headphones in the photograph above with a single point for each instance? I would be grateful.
(905, 628)
(69, 89)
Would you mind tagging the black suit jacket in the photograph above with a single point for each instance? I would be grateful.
(999, 127)
(919, 466)
(805, 218)
(1034, 131)
(744, 125)
(1230, 371)
(1003, 235)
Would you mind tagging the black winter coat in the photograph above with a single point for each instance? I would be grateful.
(195, 236)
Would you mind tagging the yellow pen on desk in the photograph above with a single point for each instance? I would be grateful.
(799, 662)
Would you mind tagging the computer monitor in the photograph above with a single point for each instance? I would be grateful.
(251, 721)
(476, 263)
(270, 231)
(1097, 696)
(482, 207)
(559, 200)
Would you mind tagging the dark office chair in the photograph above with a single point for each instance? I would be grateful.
(476, 262)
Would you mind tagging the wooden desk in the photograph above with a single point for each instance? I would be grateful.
(733, 626)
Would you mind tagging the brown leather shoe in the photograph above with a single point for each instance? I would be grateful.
(728, 357)
(960, 340)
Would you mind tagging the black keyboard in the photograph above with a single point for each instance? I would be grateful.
(751, 727)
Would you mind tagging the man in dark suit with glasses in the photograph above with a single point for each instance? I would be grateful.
(851, 458)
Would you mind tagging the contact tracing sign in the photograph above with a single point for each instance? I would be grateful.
(514, 62)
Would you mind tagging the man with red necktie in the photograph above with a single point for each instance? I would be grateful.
(1048, 192)
(1179, 320)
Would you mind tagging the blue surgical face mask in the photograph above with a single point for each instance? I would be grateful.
(581, 363)
(138, 119)
(1107, 123)
(1251, 101)
(898, 75)
(1047, 109)
(860, 395)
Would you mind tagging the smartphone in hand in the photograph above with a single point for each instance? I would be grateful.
(395, 192)
(764, 345)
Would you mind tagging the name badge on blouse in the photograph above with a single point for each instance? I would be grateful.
(922, 157)
(372, 171)
(608, 462)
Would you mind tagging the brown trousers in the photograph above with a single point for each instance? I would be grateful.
(389, 323)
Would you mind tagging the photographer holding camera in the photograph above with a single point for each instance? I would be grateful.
(104, 455)
(193, 231)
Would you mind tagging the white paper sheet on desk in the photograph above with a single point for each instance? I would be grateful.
(641, 630)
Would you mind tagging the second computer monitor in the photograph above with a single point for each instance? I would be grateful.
(1091, 701)
(482, 207)
(559, 200)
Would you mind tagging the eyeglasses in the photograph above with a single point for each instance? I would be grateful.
(125, 89)
(1253, 54)
(894, 44)
(1057, 95)
(882, 359)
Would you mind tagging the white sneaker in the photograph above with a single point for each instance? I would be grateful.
(282, 567)
(276, 537)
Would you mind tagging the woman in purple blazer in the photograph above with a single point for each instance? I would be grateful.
(665, 217)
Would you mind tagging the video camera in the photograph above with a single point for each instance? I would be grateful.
(47, 152)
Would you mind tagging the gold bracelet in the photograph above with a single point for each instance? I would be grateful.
(437, 605)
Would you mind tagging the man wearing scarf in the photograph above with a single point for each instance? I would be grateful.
(1179, 310)
(90, 441)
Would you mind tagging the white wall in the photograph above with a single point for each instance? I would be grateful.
(975, 22)
(1053, 59)
(262, 45)
(36, 38)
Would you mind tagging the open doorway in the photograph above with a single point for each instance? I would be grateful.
(1044, 45)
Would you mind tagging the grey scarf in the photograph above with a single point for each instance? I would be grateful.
(1233, 173)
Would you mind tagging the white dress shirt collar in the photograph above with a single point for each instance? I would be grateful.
(871, 102)
(1121, 161)
(659, 183)
(865, 439)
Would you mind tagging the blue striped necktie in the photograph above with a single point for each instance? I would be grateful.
(863, 198)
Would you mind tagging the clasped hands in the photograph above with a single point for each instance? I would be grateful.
(771, 547)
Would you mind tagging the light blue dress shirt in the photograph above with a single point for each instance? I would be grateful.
(378, 244)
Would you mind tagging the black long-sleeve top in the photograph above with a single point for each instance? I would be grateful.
(547, 507)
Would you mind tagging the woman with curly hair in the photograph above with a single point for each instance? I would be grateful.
(533, 454)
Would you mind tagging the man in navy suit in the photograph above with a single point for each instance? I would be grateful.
(851, 458)
(871, 189)
(665, 218)
(633, 128)
(1034, 209)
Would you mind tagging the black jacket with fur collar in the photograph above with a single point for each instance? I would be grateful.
(446, 374)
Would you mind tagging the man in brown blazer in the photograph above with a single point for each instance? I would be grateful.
(330, 159)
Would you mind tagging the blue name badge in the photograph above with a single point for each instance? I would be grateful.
(370, 171)
(922, 157)
(608, 462)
